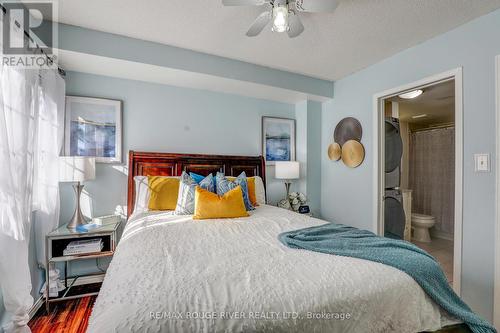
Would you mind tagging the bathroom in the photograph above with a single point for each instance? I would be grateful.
(426, 120)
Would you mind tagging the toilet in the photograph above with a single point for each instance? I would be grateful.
(421, 224)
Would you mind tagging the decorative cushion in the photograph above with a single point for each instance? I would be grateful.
(260, 191)
(198, 178)
(142, 193)
(209, 205)
(163, 193)
(187, 186)
(251, 189)
(224, 185)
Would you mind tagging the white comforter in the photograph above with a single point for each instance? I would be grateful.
(173, 274)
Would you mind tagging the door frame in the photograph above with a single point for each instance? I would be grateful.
(379, 159)
(496, 283)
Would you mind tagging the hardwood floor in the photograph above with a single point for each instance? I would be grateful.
(65, 317)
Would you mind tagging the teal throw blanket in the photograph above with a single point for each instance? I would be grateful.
(351, 242)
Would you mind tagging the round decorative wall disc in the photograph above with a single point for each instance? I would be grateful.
(348, 129)
(353, 153)
(334, 151)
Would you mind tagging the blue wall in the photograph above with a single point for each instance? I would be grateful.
(472, 46)
(308, 118)
(164, 118)
(314, 156)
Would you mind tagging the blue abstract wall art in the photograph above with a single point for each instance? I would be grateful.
(93, 128)
(278, 139)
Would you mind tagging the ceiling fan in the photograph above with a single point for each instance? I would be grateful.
(283, 13)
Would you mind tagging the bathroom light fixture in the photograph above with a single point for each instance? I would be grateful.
(412, 94)
(280, 18)
(419, 116)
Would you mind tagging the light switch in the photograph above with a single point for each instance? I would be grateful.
(482, 162)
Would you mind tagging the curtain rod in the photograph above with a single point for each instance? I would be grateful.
(430, 128)
(61, 71)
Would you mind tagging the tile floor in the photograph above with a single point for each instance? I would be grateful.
(442, 250)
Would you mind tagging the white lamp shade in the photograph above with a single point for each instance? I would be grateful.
(76, 168)
(287, 170)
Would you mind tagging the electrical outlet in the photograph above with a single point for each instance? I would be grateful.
(482, 162)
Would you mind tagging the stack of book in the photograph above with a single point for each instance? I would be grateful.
(83, 246)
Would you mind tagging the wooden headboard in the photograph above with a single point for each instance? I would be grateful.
(169, 164)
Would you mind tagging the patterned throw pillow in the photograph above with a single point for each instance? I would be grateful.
(187, 186)
(198, 178)
(224, 185)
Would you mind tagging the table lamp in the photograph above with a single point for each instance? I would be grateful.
(76, 169)
(287, 170)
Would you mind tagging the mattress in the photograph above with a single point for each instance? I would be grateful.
(173, 274)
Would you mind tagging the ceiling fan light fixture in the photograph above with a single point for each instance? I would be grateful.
(280, 18)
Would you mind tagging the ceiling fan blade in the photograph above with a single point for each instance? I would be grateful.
(259, 24)
(243, 2)
(295, 25)
(316, 5)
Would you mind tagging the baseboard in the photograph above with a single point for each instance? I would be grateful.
(37, 305)
(442, 235)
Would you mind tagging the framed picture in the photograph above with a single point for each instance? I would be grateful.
(93, 127)
(278, 139)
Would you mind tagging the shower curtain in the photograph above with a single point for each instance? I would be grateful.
(432, 176)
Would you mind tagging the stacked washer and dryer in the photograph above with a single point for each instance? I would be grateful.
(394, 214)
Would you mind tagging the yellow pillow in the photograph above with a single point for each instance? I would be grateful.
(208, 205)
(164, 192)
(251, 190)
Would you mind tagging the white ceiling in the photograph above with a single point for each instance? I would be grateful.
(359, 33)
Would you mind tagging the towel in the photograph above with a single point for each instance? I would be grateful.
(347, 241)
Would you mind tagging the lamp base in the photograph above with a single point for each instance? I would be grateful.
(287, 187)
(78, 219)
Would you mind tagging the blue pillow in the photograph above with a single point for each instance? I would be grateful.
(196, 177)
(224, 185)
(187, 187)
(199, 178)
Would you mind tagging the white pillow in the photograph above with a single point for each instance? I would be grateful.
(260, 192)
(142, 193)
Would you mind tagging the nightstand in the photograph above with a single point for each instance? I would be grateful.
(284, 204)
(56, 242)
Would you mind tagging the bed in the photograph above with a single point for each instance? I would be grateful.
(171, 273)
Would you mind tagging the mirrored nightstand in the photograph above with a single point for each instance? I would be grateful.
(57, 241)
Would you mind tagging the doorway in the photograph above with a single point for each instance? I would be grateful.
(419, 167)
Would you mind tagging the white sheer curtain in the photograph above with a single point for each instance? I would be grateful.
(31, 111)
(51, 97)
(18, 112)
